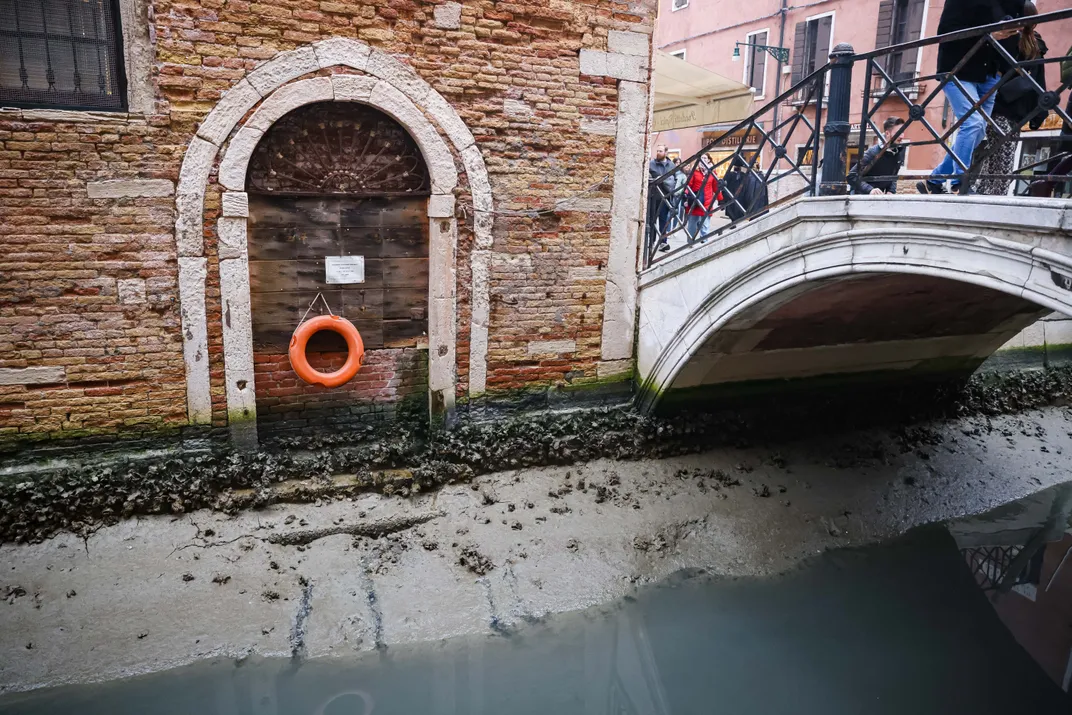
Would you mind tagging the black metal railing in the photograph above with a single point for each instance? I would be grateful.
(683, 202)
(748, 189)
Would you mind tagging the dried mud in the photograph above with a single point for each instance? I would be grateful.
(408, 459)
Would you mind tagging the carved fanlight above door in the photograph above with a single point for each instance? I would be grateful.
(337, 148)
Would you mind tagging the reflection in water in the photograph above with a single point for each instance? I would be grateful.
(899, 628)
(1019, 555)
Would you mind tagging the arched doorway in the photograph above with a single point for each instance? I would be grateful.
(338, 206)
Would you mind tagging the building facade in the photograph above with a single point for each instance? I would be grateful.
(182, 181)
(705, 32)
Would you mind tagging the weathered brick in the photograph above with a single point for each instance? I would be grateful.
(510, 70)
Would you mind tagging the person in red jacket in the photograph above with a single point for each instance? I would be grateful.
(701, 196)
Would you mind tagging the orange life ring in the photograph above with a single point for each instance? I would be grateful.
(308, 329)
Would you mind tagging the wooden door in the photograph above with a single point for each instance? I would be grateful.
(290, 240)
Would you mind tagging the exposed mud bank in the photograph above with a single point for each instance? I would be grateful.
(372, 573)
(406, 459)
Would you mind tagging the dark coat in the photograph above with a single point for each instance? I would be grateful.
(889, 164)
(658, 168)
(1017, 98)
(749, 191)
(965, 14)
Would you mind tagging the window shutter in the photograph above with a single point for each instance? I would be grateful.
(822, 44)
(884, 36)
(915, 31)
(798, 51)
(757, 71)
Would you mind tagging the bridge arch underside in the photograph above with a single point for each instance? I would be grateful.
(842, 332)
(858, 291)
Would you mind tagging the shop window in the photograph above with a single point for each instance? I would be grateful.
(1038, 156)
(63, 54)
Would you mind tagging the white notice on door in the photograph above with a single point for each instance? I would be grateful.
(344, 269)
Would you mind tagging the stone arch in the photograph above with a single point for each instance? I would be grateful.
(1012, 268)
(388, 85)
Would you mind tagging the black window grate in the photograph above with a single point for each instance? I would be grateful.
(61, 54)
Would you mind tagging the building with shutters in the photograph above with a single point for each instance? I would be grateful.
(181, 179)
(704, 32)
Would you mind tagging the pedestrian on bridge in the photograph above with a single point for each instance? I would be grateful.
(702, 196)
(1061, 164)
(979, 74)
(743, 191)
(880, 164)
(1016, 100)
(662, 185)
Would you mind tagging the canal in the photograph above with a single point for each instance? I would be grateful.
(923, 623)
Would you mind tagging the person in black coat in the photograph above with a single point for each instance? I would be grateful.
(744, 193)
(966, 14)
(978, 71)
(879, 173)
(1016, 101)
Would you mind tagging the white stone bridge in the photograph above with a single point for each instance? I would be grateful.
(843, 288)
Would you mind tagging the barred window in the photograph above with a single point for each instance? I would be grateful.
(61, 54)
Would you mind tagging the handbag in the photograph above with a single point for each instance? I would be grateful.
(1016, 89)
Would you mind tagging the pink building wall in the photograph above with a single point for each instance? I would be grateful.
(707, 34)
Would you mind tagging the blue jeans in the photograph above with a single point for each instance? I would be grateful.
(695, 225)
(973, 129)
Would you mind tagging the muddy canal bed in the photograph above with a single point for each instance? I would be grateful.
(373, 573)
(897, 628)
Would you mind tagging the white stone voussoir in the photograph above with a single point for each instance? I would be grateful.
(342, 51)
(192, 275)
(478, 332)
(228, 112)
(399, 75)
(282, 68)
(190, 196)
(437, 156)
(238, 352)
(483, 225)
(479, 184)
(441, 206)
(444, 115)
(352, 87)
(288, 98)
(235, 203)
(236, 158)
(231, 237)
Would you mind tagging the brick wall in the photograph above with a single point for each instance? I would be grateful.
(286, 404)
(89, 285)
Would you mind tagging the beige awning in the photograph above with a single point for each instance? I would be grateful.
(690, 96)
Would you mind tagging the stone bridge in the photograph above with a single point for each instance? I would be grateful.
(843, 289)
